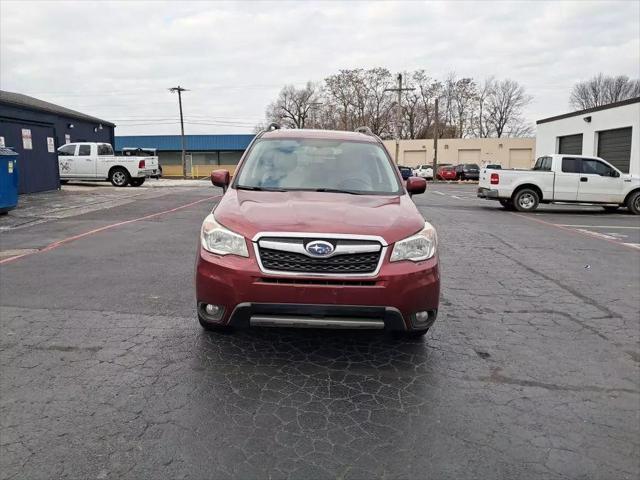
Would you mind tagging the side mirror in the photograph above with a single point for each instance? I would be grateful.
(220, 178)
(416, 185)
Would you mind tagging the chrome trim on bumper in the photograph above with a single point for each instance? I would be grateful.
(310, 322)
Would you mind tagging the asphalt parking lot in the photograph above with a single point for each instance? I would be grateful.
(531, 371)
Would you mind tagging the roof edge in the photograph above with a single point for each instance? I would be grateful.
(621, 103)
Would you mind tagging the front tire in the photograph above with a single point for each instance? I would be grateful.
(633, 203)
(526, 200)
(119, 177)
(136, 182)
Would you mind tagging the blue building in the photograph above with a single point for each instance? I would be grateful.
(35, 129)
(202, 151)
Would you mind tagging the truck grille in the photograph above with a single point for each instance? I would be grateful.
(277, 260)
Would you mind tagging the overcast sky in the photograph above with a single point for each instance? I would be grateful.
(115, 60)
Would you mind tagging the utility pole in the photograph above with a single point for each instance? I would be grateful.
(179, 89)
(398, 89)
(435, 140)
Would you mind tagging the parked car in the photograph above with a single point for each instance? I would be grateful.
(96, 161)
(424, 171)
(493, 166)
(406, 172)
(467, 171)
(317, 230)
(562, 178)
(144, 152)
(446, 172)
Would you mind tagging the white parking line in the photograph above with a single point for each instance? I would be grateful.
(437, 192)
(596, 226)
(634, 245)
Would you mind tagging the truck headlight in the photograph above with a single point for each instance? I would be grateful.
(418, 247)
(222, 241)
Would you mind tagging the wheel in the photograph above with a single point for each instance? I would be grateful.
(507, 204)
(526, 200)
(633, 203)
(610, 208)
(136, 182)
(119, 177)
(64, 182)
(212, 327)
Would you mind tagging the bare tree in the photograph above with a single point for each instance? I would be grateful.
(506, 101)
(603, 90)
(293, 106)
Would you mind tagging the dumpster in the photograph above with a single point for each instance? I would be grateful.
(8, 179)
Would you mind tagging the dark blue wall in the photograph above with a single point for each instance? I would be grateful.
(38, 168)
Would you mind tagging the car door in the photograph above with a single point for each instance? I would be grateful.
(567, 179)
(600, 182)
(85, 161)
(66, 161)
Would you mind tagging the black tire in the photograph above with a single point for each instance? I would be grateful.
(633, 203)
(526, 200)
(64, 182)
(212, 327)
(136, 182)
(507, 204)
(610, 208)
(119, 177)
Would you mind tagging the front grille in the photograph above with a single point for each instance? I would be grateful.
(306, 281)
(277, 260)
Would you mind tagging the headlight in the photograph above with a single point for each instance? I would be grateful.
(418, 247)
(217, 239)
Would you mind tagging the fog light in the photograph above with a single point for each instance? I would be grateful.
(423, 318)
(214, 312)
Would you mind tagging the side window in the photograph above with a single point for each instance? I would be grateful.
(543, 163)
(594, 167)
(84, 150)
(571, 165)
(105, 149)
(67, 150)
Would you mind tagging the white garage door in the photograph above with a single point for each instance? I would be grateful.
(469, 156)
(413, 158)
(520, 157)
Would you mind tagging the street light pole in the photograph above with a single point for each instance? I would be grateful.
(179, 89)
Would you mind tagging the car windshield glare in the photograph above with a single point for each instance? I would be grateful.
(318, 165)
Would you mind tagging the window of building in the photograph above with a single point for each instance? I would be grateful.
(230, 158)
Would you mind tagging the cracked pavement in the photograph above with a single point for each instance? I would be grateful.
(531, 370)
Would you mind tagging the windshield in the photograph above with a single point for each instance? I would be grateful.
(318, 165)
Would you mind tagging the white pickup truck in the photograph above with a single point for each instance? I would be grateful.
(562, 178)
(96, 161)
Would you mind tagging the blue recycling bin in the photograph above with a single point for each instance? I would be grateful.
(8, 179)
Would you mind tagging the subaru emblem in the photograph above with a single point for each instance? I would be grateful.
(319, 248)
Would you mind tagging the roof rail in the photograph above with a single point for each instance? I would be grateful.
(273, 126)
(365, 130)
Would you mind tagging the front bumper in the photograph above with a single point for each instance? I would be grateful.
(487, 193)
(249, 296)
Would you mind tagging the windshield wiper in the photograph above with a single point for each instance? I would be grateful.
(260, 189)
(337, 190)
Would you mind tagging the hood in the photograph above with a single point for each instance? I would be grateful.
(250, 212)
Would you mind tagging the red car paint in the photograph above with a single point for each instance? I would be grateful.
(446, 173)
(232, 281)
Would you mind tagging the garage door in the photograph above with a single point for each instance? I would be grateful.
(413, 158)
(520, 157)
(469, 156)
(615, 147)
(570, 145)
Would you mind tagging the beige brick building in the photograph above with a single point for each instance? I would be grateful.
(508, 152)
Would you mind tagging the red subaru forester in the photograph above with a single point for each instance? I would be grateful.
(317, 230)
